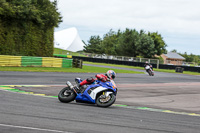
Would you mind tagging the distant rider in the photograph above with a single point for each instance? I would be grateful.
(148, 64)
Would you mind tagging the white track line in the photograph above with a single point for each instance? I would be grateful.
(33, 128)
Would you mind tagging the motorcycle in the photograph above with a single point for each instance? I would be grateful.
(149, 70)
(103, 94)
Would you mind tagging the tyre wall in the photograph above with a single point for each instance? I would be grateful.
(29, 61)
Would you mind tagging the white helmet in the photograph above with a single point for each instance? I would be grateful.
(111, 74)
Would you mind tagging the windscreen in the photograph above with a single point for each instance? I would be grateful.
(113, 82)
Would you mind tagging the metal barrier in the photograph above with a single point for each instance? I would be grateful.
(123, 58)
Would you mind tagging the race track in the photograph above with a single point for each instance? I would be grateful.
(22, 113)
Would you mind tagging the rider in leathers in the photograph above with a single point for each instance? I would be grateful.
(110, 74)
(148, 64)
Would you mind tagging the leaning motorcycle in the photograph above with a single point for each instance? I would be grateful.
(103, 94)
(149, 70)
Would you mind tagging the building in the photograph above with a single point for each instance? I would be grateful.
(68, 39)
(172, 58)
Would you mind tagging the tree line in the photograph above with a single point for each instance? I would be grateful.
(27, 27)
(127, 43)
(133, 43)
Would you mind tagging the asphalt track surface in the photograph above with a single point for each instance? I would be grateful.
(20, 113)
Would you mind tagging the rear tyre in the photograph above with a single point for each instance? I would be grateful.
(66, 95)
(102, 101)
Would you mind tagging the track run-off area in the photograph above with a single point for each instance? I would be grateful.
(164, 103)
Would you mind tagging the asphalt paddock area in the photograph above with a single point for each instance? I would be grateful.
(173, 96)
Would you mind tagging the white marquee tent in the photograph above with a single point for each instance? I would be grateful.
(68, 39)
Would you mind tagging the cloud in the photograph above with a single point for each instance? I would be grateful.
(165, 16)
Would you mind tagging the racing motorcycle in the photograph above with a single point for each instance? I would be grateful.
(103, 94)
(149, 70)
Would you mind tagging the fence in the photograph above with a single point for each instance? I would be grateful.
(140, 64)
(123, 58)
(28, 61)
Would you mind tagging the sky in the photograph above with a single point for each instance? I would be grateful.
(178, 21)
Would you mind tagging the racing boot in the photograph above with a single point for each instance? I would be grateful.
(83, 85)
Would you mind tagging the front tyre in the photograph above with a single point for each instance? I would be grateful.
(149, 72)
(152, 74)
(103, 101)
(66, 95)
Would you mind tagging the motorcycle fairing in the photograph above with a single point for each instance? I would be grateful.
(82, 98)
(85, 96)
(147, 67)
(96, 91)
(89, 95)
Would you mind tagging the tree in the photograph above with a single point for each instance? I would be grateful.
(145, 47)
(94, 45)
(127, 42)
(191, 57)
(174, 50)
(130, 43)
(28, 26)
(159, 43)
(109, 43)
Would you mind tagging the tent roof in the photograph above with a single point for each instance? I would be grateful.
(68, 39)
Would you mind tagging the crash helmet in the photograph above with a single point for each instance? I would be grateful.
(111, 74)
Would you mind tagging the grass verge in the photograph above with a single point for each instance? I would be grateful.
(89, 69)
(85, 69)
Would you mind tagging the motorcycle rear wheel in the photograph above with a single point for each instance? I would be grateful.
(66, 95)
(103, 102)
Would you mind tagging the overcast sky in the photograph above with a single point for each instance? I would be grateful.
(178, 21)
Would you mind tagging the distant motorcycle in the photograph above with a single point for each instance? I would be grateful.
(103, 94)
(149, 70)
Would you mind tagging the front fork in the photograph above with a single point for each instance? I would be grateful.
(72, 87)
(105, 94)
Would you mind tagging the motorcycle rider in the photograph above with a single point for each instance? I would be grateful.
(110, 74)
(148, 64)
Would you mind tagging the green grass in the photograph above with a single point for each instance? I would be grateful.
(141, 68)
(115, 65)
(85, 69)
(89, 69)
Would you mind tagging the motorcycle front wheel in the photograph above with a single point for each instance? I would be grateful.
(149, 72)
(152, 74)
(66, 95)
(103, 101)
